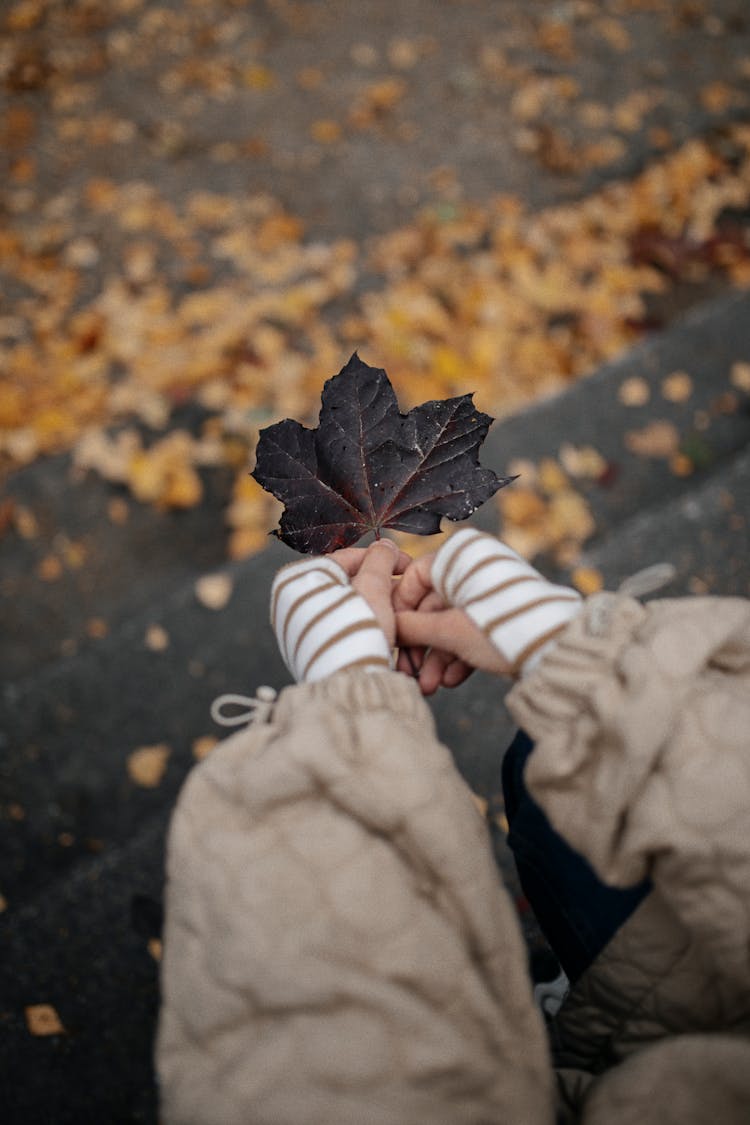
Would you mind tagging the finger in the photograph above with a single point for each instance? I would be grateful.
(431, 672)
(415, 584)
(431, 603)
(410, 660)
(431, 630)
(374, 581)
(379, 563)
(350, 559)
(456, 672)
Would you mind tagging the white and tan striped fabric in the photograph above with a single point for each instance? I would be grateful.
(515, 606)
(322, 625)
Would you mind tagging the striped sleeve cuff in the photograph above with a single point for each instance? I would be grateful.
(514, 605)
(322, 625)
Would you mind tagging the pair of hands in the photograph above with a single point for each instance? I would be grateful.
(438, 644)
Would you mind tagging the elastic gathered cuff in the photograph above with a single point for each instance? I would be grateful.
(584, 653)
(597, 718)
(359, 690)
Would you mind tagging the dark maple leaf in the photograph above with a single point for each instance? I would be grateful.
(368, 466)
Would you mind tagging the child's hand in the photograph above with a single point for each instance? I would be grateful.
(441, 642)
(371, 571)
(336, 611)
(477, 604)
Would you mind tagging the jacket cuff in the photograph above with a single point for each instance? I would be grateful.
(590, 710)
(358, 690)
(583, 656)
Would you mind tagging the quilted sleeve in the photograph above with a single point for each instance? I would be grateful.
(641, 723)
(338, 947)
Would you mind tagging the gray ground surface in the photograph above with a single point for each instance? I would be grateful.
(83, 867)
(82, 846)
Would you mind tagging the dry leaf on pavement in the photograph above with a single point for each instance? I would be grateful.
(740, 376)
(657, 439)
(677, 387)
(42, 1019)
(214, 590)
(634, 391)
(203, 746)
(587, 580)
(157, 638)
(146, 765)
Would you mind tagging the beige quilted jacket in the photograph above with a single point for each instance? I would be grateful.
(338, 947)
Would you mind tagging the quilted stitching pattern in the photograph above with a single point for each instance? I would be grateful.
(642, 760)
(338, 946)
(707, 1079)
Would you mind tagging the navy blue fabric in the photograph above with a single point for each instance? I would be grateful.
(577, 913)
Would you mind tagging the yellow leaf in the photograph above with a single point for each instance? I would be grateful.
(326, 132)
(403, 53)
(52, 426)
(587, 580)
(183, 488)
(118, 511)
(12, 409)
(681, 465)
(657, 439)
(145, 478)
(480, 803)
(521, 505)
(157, 638)
(259, 77)
(634, 391)
(309, 78)
(418, 545)
(677, 387)
(50, 569)
(214, 590)
(501, 821)
(74, 554)
(551, 478)
(614, 33)
(25, 522)
(24, 15)
(203, 746)
(582, 461)
(717, 97)
(146, 765)
(740, 376)
(570, 518)
(244, 542)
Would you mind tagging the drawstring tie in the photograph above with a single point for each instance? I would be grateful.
(257, 709)
(647, 581)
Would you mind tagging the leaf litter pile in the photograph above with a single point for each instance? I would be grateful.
(216, 314)
(511, 304)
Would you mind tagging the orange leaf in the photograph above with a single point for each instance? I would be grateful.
(657, 439)
(42, 1019)
(146, 765)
